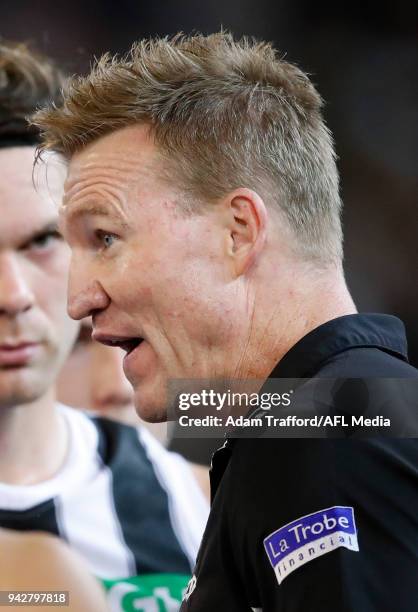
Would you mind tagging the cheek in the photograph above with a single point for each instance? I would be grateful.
(53, 293)
(166, 277)
(135, 277)
(188, 302)
(52, 299)
(54, 307)
(59, 259)
(51, 276)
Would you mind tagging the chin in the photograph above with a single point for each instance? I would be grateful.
(20, 394)
(151, 407)
(26, 385)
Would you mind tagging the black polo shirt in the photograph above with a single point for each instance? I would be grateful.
(315, 525)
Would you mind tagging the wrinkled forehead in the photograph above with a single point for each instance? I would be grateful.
(113, 170)
(118, 176)
(123, 157)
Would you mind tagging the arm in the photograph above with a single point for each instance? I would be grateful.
(345, 532)
(40, 562)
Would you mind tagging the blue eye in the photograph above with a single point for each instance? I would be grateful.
(106, 239)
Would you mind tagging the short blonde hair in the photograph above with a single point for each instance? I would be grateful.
(225, 114)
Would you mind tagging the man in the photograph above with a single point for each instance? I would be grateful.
(202, 209)
(130, 508)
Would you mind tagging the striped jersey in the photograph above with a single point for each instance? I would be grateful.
(132, 509)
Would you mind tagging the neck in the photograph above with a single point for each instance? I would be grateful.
(289, 312)
(33, 441)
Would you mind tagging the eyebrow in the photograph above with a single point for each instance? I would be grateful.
(83, 210)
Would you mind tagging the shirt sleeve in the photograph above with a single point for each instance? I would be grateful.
(326, 524)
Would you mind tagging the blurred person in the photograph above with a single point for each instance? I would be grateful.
(93, 379)
(102, 386)
(203, 212)
(131, 509)
(35, 561)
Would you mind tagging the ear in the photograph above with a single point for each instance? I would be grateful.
(247, 224)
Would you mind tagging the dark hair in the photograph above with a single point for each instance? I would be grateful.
(27, 82)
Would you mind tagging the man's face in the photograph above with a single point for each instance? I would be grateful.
(35, 330)
(156, 281)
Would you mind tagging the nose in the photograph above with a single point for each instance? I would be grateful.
(109, 388)
(16, 295)
(86, 295)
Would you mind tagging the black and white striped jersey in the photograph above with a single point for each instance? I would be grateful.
(132, 509)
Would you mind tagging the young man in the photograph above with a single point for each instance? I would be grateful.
(203, 214)
(104, 390)
(132, 510)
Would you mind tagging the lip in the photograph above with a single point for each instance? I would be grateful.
(17, 355)
(131, 360)
(117, 340)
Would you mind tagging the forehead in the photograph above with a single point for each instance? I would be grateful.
(27, 200)
(122, 158)
(116, 175)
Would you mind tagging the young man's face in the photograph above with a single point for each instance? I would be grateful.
(155, 280)
(35, 331)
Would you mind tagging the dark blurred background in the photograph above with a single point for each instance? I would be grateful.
(364, 59)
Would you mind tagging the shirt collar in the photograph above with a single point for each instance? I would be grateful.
(380, 331)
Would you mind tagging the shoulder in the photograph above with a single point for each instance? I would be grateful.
(270, 483)
(301, 473)
(360, 362)
(123, 449)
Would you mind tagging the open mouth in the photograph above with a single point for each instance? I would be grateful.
(127, 344)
